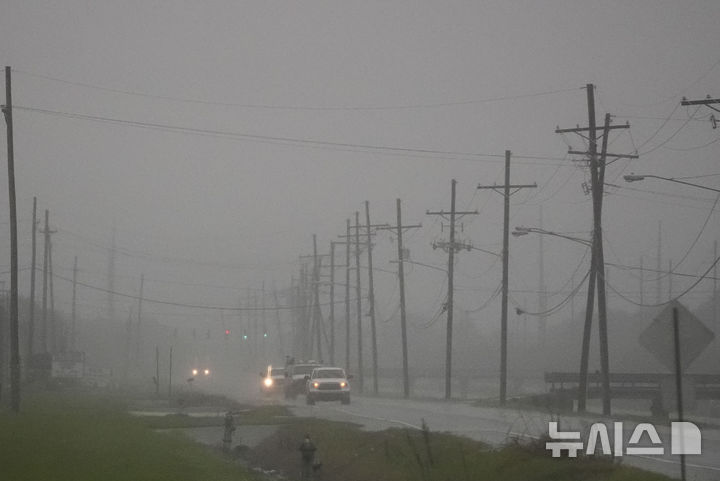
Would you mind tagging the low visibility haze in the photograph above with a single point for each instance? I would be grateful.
(215, 138)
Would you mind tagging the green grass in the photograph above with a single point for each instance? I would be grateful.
(350, 454)
(61, 437)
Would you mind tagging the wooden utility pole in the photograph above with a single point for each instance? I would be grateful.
(331, 317)
(347, 295)
(138, 344)
(371, 298)
(278, 324)
(157, 371)
(401, 279)
(53, 324)
(14, 326)
(317, 314)
(358, 293)
(505, 258)
(170, 374)
(597, 264)
(31, 314)
(451, 247)
(111, 277)
(642, 281)
(46, 250)
(73, 332)
(658, 265)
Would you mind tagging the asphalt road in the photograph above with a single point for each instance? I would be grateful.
(496, 426)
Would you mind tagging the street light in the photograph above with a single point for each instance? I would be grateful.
(637, 178)
(585, 352)
(522, 230)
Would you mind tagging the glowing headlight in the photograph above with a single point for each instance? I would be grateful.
(343, 384)
(194, 371)
(207, 372)
(316, 385)
(268, 381)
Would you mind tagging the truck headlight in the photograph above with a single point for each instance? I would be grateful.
(316, 385)
(268, 382)
(343, 384)
(194, 372)
(207, 372)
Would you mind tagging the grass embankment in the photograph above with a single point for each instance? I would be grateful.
(349, 454)
(60, 436)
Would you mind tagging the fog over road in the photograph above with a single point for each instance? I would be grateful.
(495, 426)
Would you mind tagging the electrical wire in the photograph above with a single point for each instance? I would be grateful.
(276, 140)
(296, 107)
(683, 293)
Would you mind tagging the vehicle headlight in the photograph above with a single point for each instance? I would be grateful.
(268, 381)
(194, 372)
(207, 372)
(316, 385)
(343, 384)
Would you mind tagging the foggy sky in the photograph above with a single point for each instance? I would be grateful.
(226, 213)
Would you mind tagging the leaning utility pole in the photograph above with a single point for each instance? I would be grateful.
(401, 278)
(31, 317)
(451, 247)
(505, 258)
(597, 264)
(14, 326)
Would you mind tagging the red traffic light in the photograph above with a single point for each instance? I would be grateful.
(227, 332)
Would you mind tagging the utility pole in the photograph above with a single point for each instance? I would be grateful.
(73, 333)
(451, 247)
(658, 267)
(505, 258)
(361, 378)
(371, 298)
(14, 326)
(642, 281)
(138, 345)
(111, 277)
(317, 314)
(278, 324)
(170, 374)
(707, 102)
(31, 319)
(53, 326)
(670, 274)
(46, 253)
(714, 296)
(333, 266)
(331, 318)
(401, 278)
(157, 371)
(347, 295)
(597, 264)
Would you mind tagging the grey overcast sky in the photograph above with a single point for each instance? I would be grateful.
(218, 136)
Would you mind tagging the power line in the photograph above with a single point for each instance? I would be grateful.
(276, 140)
(189, 306)
(297, 107)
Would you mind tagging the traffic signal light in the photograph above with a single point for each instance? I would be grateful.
(244, 336)
(265, 334)
(227, 332)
